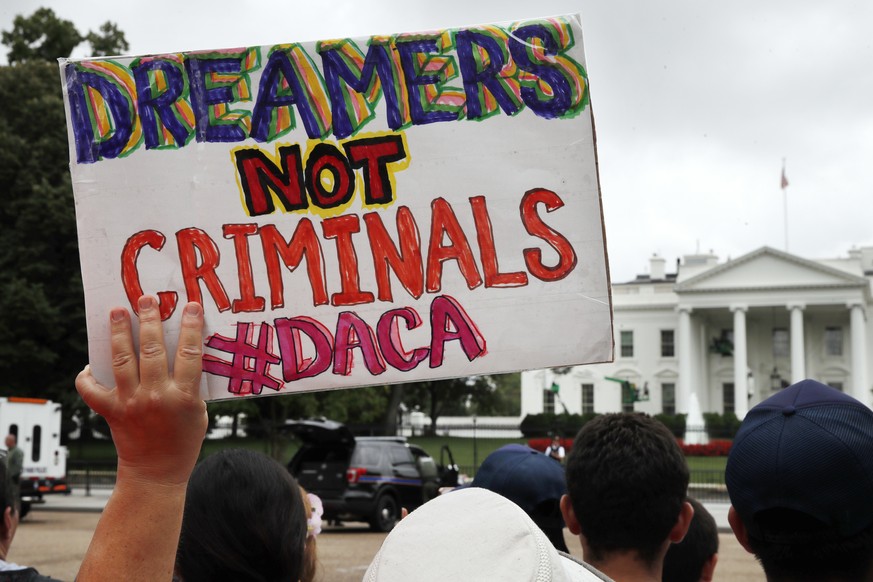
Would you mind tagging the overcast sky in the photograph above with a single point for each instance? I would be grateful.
(696, 103)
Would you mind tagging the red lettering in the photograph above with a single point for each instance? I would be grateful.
(192, 241)
(353, 332)
(260, 178)
(374, 155)
(130, 274)
(388, 332)
(534, 225)
(248, 301)
(294, 365)
(449, 321)
(341, 228)
(304, 241)
(406, 263)
(325, 157)
(487, 251)
(444, 223)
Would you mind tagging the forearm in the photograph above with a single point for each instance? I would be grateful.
(138, 533)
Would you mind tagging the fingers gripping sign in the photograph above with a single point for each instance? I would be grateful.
(157, 417)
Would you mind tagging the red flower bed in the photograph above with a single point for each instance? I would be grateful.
(715, 448)
(541, 444)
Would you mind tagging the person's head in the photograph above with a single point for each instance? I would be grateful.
(244, 519)
(532, 481)
(626, 487)
(800, 478)
(471, 534)
(694, 558)
(556, 440)
(10, 441)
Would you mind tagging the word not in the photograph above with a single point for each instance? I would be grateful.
(199, 256)
(261, 178)
(249, 369)
(166, 101)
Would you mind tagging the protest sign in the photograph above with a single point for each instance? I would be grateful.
(348, 212)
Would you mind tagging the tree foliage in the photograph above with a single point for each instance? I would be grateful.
(109, 42)
(45, 37)
(42, 321)
(42, 36)
(43, 343)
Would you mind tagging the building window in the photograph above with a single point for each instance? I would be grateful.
(780, 342)
(833, 341)
(837, 385)
(668, 398)
(627, 344)
(548, 401)
(668, 345)
(727, 402)
(587, 398)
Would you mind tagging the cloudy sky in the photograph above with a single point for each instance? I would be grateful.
(696, 104)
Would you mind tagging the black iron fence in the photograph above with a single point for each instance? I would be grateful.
(707, 485)
(88, 475)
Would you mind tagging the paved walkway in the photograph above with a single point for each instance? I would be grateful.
(79, 501)
(75, 501)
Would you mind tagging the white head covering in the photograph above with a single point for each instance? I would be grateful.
(471, 534)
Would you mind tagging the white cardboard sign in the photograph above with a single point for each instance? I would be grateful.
(348, 212)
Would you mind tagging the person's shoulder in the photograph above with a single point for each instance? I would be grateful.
(578, 570)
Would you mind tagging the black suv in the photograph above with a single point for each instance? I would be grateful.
(365, 478)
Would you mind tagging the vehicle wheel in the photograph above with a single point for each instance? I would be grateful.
(25, 509)
(386, 514)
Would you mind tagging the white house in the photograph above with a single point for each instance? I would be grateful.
(727, 334)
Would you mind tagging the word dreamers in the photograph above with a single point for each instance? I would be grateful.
(417, 271)
(249, 369)
(166, 101)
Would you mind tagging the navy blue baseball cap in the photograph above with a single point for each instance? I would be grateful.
(808, 449)
(533, 481)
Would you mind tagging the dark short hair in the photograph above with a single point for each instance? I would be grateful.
(627, 480)
(796, 546)
(244, 520)
(684, 561)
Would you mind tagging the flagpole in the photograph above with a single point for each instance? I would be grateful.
(784, 184)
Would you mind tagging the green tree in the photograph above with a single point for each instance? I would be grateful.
(450, 396)
(42, 321)
(109, 42)
(43, 343)
(42, 36)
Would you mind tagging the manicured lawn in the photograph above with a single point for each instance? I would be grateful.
(706, 463)
(465, 451)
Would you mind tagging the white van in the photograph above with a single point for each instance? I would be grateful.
(36, 423)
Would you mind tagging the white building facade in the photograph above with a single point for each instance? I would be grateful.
(726, 335)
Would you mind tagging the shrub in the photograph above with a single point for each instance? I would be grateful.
(721, 426)
(546, 424)
(675, 422)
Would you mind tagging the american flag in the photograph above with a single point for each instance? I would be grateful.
(784, 179)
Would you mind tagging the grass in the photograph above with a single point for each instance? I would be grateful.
(467, 454)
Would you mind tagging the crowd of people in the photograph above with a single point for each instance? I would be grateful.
(799, 477)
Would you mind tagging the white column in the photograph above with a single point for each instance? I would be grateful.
(798, 352)
(686, 357)
(741, 364)
(859, 353)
